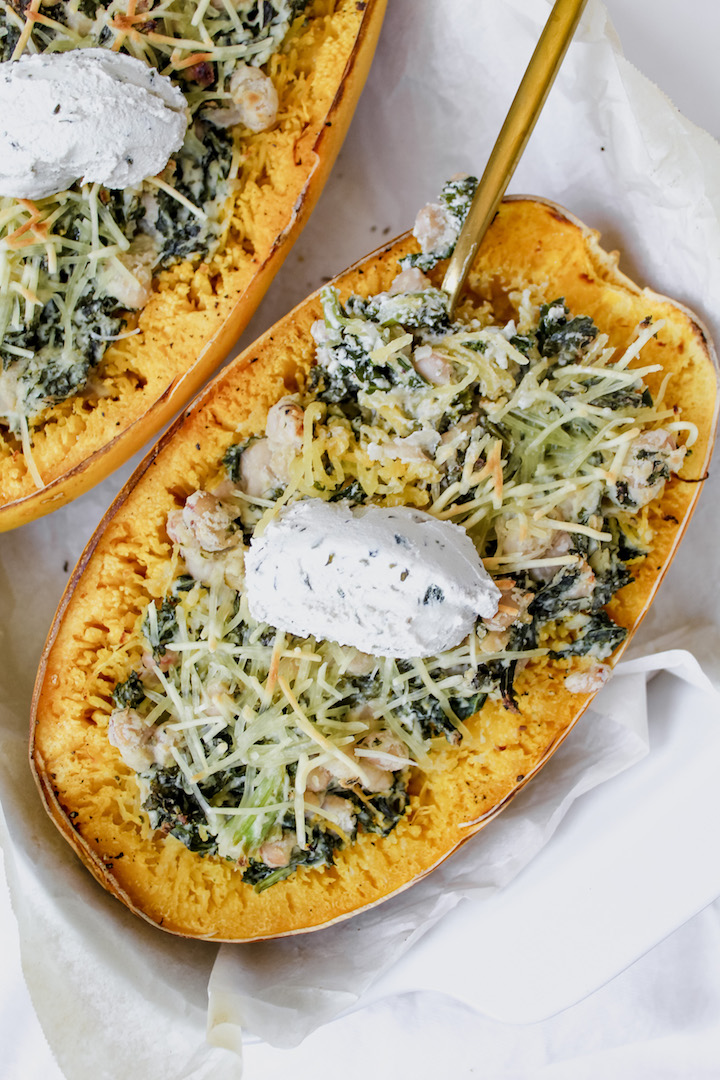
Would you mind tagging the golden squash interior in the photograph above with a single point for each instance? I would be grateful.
(196, 312)
(89, 792)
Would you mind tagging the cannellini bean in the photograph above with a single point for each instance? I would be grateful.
(588, 681)
(410, 280)
(209, 522)
(434, 229)
(276, 853)
(256, 473)
(255, 96)
(645, 453)
(432, 365)
(385, 747)
(128, 732)
(140, 744)
(340, 812)
(285, 423)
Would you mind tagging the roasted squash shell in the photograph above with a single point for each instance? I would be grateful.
(92, 796)
(196, 312)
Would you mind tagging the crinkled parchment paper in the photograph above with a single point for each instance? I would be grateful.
(118, 999)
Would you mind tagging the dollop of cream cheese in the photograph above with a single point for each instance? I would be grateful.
(85, 114)
(390, 581)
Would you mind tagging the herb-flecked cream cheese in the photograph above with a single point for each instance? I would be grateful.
(86, 114)
(390, 581)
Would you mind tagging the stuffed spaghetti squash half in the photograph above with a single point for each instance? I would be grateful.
(235, 762)
(117, 304)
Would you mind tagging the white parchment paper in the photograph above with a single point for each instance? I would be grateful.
(119, 999)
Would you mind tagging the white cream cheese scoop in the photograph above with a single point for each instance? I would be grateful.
(390, 581)
(85, 114)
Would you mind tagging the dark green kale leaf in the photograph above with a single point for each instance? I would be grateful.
(555, 601)
(599, 636)
(524, 343)
(183, 583)
(53, 374)
(353, 492)
(611, 575)
(201, 165)
(562, 338)
(9, 35)
(625, 540)
(465, 707)
(173, 807)
(166, 628)
(660, 468)
(380, 811)
(624, 399)
(457, 196)
(129, 694)
(321, 844)
(427, 712)
(232, 456)
(347, 369)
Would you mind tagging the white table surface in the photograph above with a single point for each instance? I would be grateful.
(661, 1017)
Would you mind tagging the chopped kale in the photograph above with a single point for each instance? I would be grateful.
(165, 629)
(55, 373)
(624, 399)
(660, 468)
(9, 36)
(345, 360)
(467, 707)
(523, 637)
(625, 540)
(555, 600)
(430, 717)
(562, 338)
(456, 197)
(418, 260)
(183, 583)
(321, 844)
(611, 575)
(353, 492)
(524, 343)
(202, 165)
(129, 694)
(173, 807)
(599, 636)
(381, 811)
(622, 494)
(459, 407)
(90, 7)
(427, 310)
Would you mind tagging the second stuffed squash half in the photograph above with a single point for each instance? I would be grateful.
(116, 304)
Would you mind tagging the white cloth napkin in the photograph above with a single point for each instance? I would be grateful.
(283, 990)
(118, 999)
